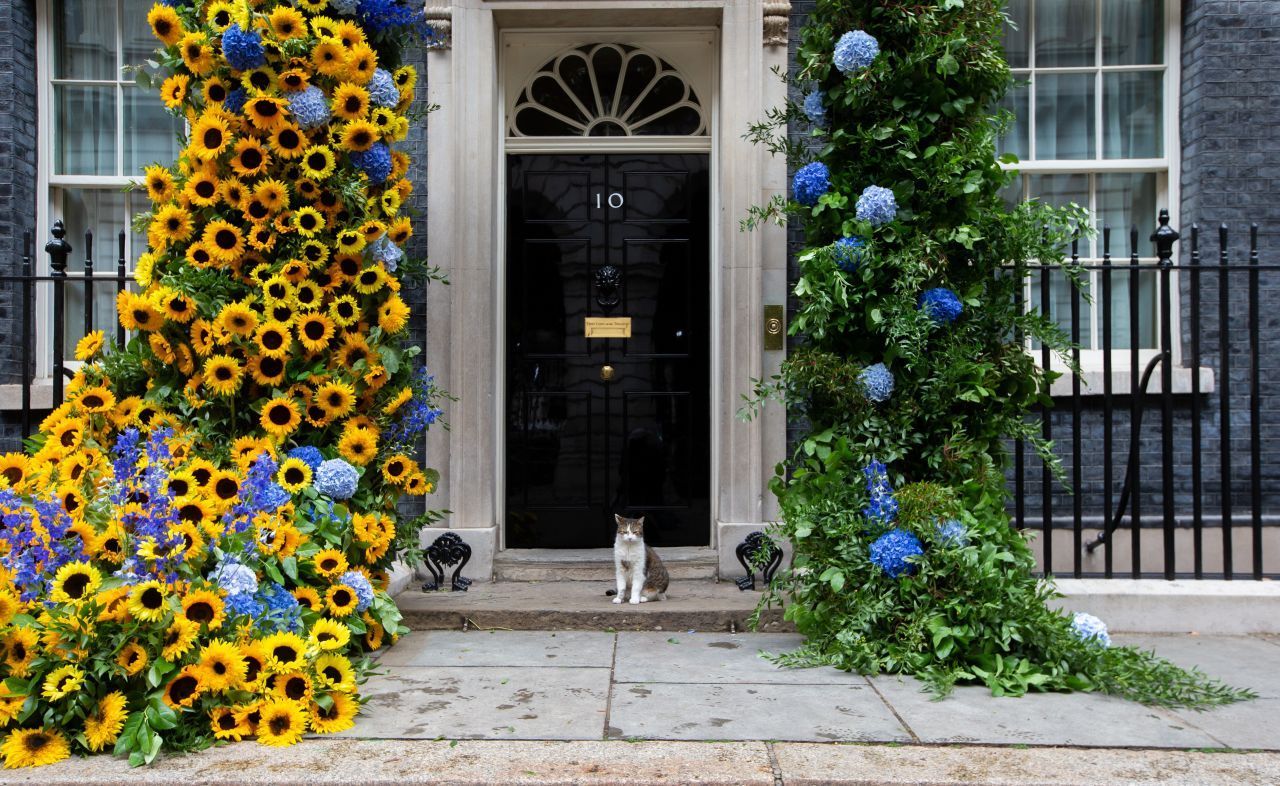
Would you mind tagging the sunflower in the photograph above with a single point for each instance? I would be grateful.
(225, 486)
(329, 563)
(255, 657)
(293, 685)
(400, 230)
(13, 469)
(75, 581)
(358, 445)
(266, 112)
(397, 469)
(161, 348)
(267, 370)
(179, 638)
(224, 240)
(277, 289)
(282, 722)
(287, 23)
(174, 90)
(287, 651)
(65, 434)
(308, 295)
(335, 671)
(371, 279)
(328, 57)
(197, 54)
(259, 80)
(20, 648)
(328, 634)
(250, 158)
(159, 182)
(192, 539)
(36, 747)
(307, 221)
(373, 634)
(171, 224)
(96, 399)
(393, 315)
(237, 319)
(183, 690)
(336, 398)
(148, 601)
(178, 307)
(340, 600)
(165, 24)
(315, 332)
(198, 255)
(202, 189)
(362, 61)
(358, 136)
(294, 475)
(215, 90)
(272, 193)
(261, 237)
(350, 102)
(317, 162)
(273, 339)
(222, 374)
(204, 607)
(280, 417)
(222, 15)
(228, 724)
(104, 724)
(222, 666)
(210, 136)
(202, 337)
(344, 310)
(62, 682)
(294, 79)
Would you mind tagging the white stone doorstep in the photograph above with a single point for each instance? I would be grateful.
(1216, 607)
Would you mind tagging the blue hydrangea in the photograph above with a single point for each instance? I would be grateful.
(810, 183)
(883, 506)
(374, 162)
(876, 382)
(280, 610)
(814, 109)
(953, 533)
(243, 48)
(309, 107)
(311, 456)
(359, 584)
(343, 6)
(235, 578)
(243, 604)
(894, 552)
(941, 305)
(848, 252)
(387, 252)
(235, 100)
(1089, 628)
(877, 206)
(855, 51)
(336, 478)
(382, 89)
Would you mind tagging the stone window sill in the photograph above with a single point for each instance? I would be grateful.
(1092, 380)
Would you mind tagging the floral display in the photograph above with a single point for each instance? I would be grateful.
(198, 546)
(814, 109)
(882, 507)
(953, 533)
(877, 206)
(855, 51)
(877, 382)
(810, 182)
(894, 552)
(849, 252)
(1090, 629)
(941, 305)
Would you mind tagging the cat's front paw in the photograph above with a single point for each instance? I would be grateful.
(643, 599)
(635, 601)
(617, 600)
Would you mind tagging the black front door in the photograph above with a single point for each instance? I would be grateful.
(603, 425)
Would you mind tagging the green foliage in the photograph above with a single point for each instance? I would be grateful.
(918, 121)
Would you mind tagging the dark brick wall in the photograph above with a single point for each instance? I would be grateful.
(1230, 172)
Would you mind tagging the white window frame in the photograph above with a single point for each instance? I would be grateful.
(1166, 168)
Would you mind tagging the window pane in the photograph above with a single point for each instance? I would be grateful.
(1126, 200)
(1132, 32)
(1017, 37)
(139, 44)
(1016, 139)
(150, 132)
(1062, 190)
(85, 133)
(102, 211)
(1064, 116)
(85, 39)
(1120, 309)
(1133, 115)
(1065, 33)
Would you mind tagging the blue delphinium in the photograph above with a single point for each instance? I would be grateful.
(855, 51)
(35, 532)
(374, 162)
(814, 109)
(379, 15)
(877, 206)
(416, 415)
(893, 552)
(310, 456)
(953, 533)
(810, 183)
(382, 89)
(848, 253)
(336, 478)
(359, 584)
(941, 305)
(883, 506)
(309, 107)
(1089, 628)
(243, 48)
(877, 382)
(235, 100)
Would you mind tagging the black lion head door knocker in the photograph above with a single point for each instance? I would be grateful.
(608, 284)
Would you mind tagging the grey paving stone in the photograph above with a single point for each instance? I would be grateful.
(1250, 725)
(481, 702)
(688, 711)
(972, 715)
(502, 648)
(1242, 661)
(716, 657)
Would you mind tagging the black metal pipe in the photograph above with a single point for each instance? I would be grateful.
(1108, 413)
(1164, 237)
(1224, 393)
(1046, 432)
(1197, 469)
(1255, 407)
(28, 373)
(88, 282)
(1134, 473)
(1077, 510)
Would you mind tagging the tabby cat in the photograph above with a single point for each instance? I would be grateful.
(636, 565)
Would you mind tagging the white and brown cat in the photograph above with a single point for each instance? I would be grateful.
(637, 568)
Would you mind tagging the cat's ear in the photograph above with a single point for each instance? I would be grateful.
(617, 519)
(640, 521)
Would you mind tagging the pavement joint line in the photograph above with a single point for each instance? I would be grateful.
(901, 720)
(608, 694)
(1173, 714)
(774, 764)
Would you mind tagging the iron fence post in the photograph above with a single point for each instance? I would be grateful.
(27, 371)
(1164, 237)
(88, 282)
(58, 250)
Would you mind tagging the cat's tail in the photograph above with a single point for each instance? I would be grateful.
(611, 592)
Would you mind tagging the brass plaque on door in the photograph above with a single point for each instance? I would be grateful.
(608, 327)
(774, 328)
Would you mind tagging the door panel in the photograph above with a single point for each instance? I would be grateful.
(607, 236)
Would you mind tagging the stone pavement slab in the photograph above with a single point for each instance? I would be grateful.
(711, 657)
(972, 715)
(1242, 661)
(502, 648)
(485, 702)
(756, 711)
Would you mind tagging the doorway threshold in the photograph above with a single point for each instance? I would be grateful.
(683, 562)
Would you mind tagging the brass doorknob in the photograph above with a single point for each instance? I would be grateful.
(606, 373)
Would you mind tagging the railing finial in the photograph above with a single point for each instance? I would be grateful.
(58, 249)
(1164, 237)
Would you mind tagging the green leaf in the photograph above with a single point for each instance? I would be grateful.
(290, 565)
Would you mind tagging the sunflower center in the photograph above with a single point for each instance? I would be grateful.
(226, 488)
(226, 721)
(34, 743)
(361, 138)
(251, 159)
(219, 668)
(225, 238)
(217, 93)
(293, 476)
(271, 367)
(75, 585)
(260, 80)
(222, 373)
(395, 468)
(342, 597)
(280, 415)
(328, 563)
(200, 611)
(285, 653)
(272, 340)
(354, 104)
(317, 161)
(295, 688)
(205, 189)
(279, 724)
(151, 598)
(252, 667)
(265, 107)
(182, 689)
(314, 330)
(213, 138)
(332, 674)
(13, 475)
(163, 28)
(19, 651)
(336, 399)
(141, 316)
(257, 210)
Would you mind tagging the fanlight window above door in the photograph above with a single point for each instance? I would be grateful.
(607, 90)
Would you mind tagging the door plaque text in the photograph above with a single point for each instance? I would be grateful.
(608, 327)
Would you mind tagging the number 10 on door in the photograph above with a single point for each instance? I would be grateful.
(615, 200)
